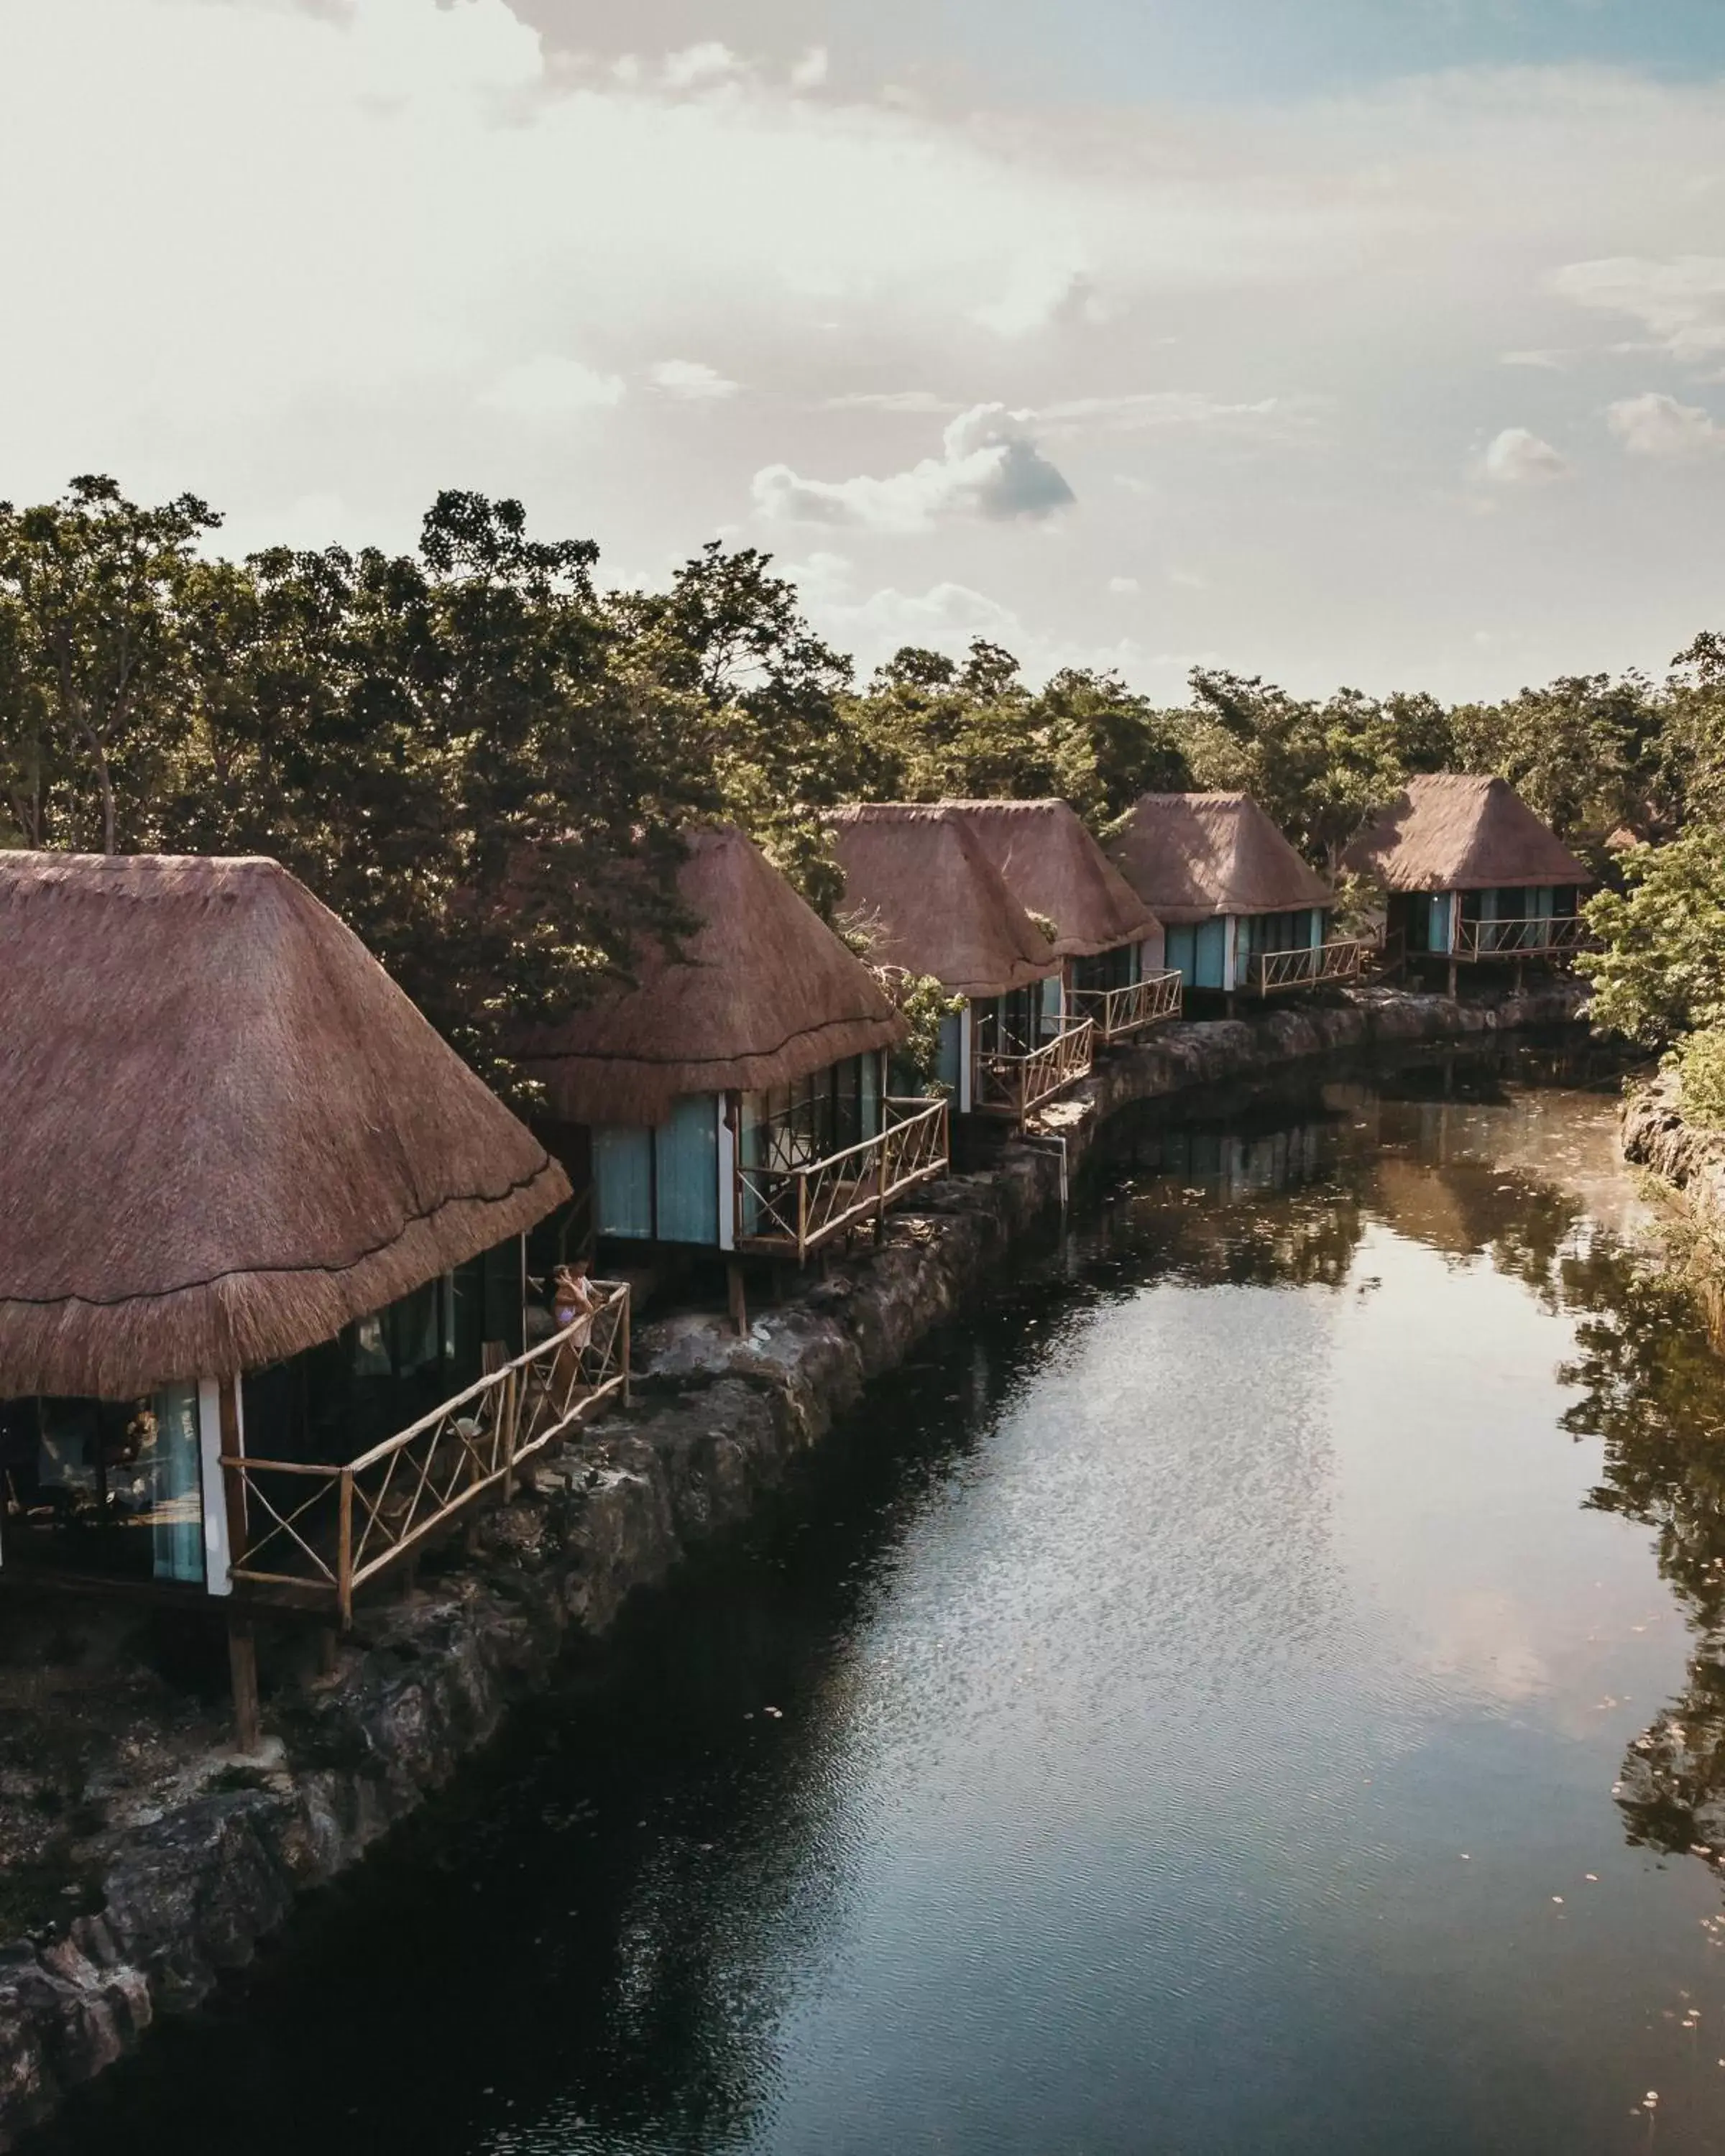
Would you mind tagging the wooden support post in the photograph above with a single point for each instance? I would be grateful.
(233, 1485)
(344, 1552)
(1452, 980)
(628, 1302)
(242, 1673)
(507, 1411)
(328, 1649)
(738, 1299)
(801, 1219)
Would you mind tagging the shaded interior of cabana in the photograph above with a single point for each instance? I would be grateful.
(673, 1183)
(118, 1490)
(1506, 922)
(1200, 949)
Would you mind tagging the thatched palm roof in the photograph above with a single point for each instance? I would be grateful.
(761, 993)
(1192, 856)
(1053, 866)
(1455, 831)
(227, 1132)
(922, 878)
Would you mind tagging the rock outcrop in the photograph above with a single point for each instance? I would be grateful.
(1692, 1161)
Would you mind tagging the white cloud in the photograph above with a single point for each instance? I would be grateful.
(811, 71)
(1042, 295)
(892, 400)
(1655, 425)
(697, 67)
(1680, 300)
(1553, 361)
(1517, 458)
(1123, 588)
(692, 380)
(988, 467)
(549, 386)
(1186, 410)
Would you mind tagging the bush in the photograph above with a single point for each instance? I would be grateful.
(1660, 971)
(1700, 1062)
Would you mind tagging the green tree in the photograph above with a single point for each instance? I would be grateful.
(456, 753)
(1587, 753)
(97, 695)
(1659, 971)
(1106, 745)
(1316, 770)
(759, 704)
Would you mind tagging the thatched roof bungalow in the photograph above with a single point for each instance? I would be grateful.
(702, 1105)
(1469, 873)
(921, 881)
(1241, 909)
(1110, 943)
(253, 1202)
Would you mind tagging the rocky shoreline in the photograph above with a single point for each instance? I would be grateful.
(156, 1862)
(1689, 1161)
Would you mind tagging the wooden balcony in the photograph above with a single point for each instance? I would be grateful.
(1308, 966)
(1552, 936)
(790, 1209)
(1117, 1013)
(315, 1535)
(1014, 1085)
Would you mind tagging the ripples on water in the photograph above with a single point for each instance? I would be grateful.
(1257, 1689)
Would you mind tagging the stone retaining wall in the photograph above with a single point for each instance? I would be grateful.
(183, 1876)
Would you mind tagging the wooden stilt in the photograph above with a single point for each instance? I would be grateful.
(738, 1299)
(1452, 980)
(328, 1647)
(243, 1672)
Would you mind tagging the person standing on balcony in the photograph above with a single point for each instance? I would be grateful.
(575, 1301)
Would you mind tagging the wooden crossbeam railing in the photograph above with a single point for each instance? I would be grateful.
(1014, 1085)
(793, 1209)
(1306, 966)
(1119, 1013)
(1551, 936)
(326, 1531)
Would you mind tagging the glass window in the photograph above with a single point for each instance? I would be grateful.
(1211, 951)
(110, 1488)
(176, 1513)
(687, 1172)
(623, 1180)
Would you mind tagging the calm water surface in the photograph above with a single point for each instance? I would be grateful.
(1197, 1710)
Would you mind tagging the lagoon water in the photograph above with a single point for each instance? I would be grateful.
(1196, 1711)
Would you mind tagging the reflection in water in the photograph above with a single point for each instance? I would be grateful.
(1181, 1714)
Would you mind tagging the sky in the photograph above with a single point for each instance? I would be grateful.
(1376, 343)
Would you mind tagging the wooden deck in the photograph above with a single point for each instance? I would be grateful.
(1014, 1085)
(793, 1209)
(311, 1535)
(1118, 1014)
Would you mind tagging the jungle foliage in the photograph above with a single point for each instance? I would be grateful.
(480, 758)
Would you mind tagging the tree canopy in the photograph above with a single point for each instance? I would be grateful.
(481, 759)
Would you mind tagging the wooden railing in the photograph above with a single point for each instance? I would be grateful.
(1117, 1013)
(792, 1210)
(1306, 966)
(1537, 936)
(1014, 1085)
(326, 1531)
